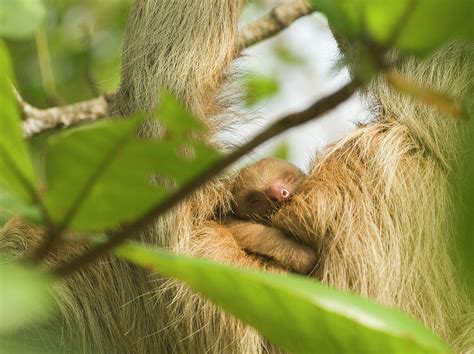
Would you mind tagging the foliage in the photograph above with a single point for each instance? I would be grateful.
(286, 55)
(281, 151)
(419, 26)
(16, 170)
(308, 315)
(101, 176)
(85, 183)
(75, 51)
(259, 87)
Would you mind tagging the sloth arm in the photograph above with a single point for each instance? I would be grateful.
(271, 242)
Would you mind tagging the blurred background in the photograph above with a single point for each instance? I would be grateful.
(76, 56)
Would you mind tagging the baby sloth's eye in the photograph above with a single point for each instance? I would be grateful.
(253, 198)
(290, 176)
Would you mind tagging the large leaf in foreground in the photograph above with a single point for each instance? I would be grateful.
(16, 171)
(294, 313)
(102, 175)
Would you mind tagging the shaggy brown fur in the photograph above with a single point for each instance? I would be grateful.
(184, 46)
(379, 205)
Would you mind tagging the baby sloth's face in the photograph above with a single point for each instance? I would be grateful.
(261, 188)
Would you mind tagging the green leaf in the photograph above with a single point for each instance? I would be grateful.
(286, 55)
(282, 151)
(344, 15)
(20, 18)
(16, 171)
(259, 87)
(366, 67)
(178, 122)
(25, 297)
(430, 24)
(296, 314)
(102, 175)
(427, 25)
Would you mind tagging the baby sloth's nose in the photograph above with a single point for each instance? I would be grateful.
(278, 192)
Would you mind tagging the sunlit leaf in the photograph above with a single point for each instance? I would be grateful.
(25, 297)
(259, 87)
(20, 18)
(294, 313)
(16, 171)
(418, 25)
(429, 25)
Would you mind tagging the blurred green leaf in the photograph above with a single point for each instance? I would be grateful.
(25, 297)
(102, 174)
(296, 314)
(429, 23)
(3, 218)
(259, 87)
(20, 18)
(178, 122)
(16, 171)
(432, 22)
(282, 151)
(366, 67)
(286, 55)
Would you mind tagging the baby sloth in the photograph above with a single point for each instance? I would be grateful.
(261, 189)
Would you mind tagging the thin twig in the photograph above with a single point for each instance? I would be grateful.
(127, 231)
(39, 120)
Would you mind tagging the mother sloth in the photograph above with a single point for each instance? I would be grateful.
(377, 206)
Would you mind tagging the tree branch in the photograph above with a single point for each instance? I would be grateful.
(38, 120)
(322, 106)
(279, 18)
